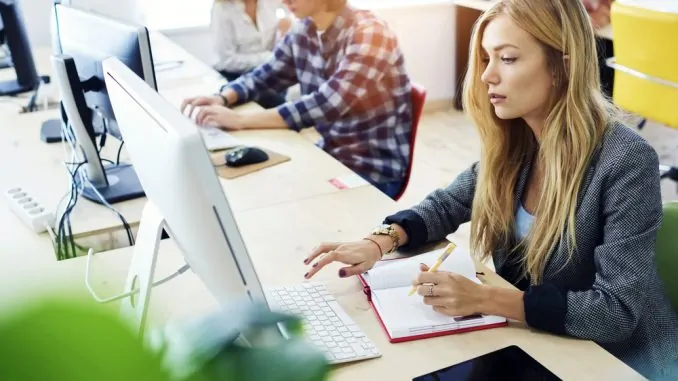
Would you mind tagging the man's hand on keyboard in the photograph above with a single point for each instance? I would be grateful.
(189, 104)
(220, 116)
(359, 255)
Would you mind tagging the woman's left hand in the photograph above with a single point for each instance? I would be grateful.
(449, 293)
(220, 116)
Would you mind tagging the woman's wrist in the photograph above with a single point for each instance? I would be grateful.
(402, 235)
(501, 301)
(384, 242)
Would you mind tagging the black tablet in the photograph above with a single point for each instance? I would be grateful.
(510, 363)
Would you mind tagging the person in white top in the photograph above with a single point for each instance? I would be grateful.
(244, 33)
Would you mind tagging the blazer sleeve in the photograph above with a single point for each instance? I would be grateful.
(440, 213)
(610, 310)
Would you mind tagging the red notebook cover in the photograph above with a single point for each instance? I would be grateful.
(368, 293)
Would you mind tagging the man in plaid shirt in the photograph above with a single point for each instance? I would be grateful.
(354, 86)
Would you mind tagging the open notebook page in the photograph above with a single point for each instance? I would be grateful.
(401, 272)
(408, 315)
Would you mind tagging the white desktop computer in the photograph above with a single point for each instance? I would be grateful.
(186, 198)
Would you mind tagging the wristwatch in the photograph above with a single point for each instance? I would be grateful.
(223, 98)
(389, 231)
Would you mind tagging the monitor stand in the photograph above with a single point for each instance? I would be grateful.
(123, 185)
(14, 87)
(6, 62)
(142, 268)
(141, 273)
(50, 132)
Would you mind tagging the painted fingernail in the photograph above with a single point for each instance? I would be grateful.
(306, 275)
(342, 273)
(315, 264)
(306, 261)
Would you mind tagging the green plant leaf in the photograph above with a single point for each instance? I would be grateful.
(242, 342)
(59, 339)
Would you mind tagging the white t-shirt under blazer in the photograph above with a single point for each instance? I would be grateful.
(240, 45)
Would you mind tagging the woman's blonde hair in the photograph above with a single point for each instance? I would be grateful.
(578, 117)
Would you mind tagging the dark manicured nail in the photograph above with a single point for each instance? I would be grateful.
(306, 275)
(306, 261)
(342, 273)
(315, 264)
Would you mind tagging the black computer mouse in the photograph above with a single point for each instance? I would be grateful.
(240, 156)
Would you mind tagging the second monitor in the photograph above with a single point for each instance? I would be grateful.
(82, 41)
(18, 52)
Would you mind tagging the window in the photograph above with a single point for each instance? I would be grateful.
(175, 14)
(184, 14)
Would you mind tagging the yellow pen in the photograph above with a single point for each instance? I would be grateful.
(441, 259)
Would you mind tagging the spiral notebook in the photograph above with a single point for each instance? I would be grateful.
(406, 318)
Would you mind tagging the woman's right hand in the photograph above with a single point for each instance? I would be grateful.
(360, 256)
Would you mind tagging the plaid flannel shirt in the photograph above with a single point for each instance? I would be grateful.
(354, 87)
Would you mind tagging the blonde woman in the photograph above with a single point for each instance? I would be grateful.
(244, 33)
(565, 199)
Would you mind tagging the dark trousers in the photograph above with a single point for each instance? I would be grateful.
(266, 101)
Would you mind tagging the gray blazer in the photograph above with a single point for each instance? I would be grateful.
(610, 292)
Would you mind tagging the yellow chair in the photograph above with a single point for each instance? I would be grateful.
(646, 61)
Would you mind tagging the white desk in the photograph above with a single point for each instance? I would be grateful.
(278, 235)
(277, 250)
(38, 166)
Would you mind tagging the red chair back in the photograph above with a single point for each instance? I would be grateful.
(418, 100)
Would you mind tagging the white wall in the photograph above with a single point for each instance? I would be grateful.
(37, 15)
(426, 36)
(425, 32)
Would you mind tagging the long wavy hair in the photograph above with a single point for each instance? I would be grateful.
(577, 119)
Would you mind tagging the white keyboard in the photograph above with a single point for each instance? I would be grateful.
(326, 324)
(217, 139)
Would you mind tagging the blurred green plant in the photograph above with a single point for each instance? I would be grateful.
(62, 339)
(242, 342)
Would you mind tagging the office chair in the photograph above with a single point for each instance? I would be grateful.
(646, 52)
(418, 100)
(667, 252)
